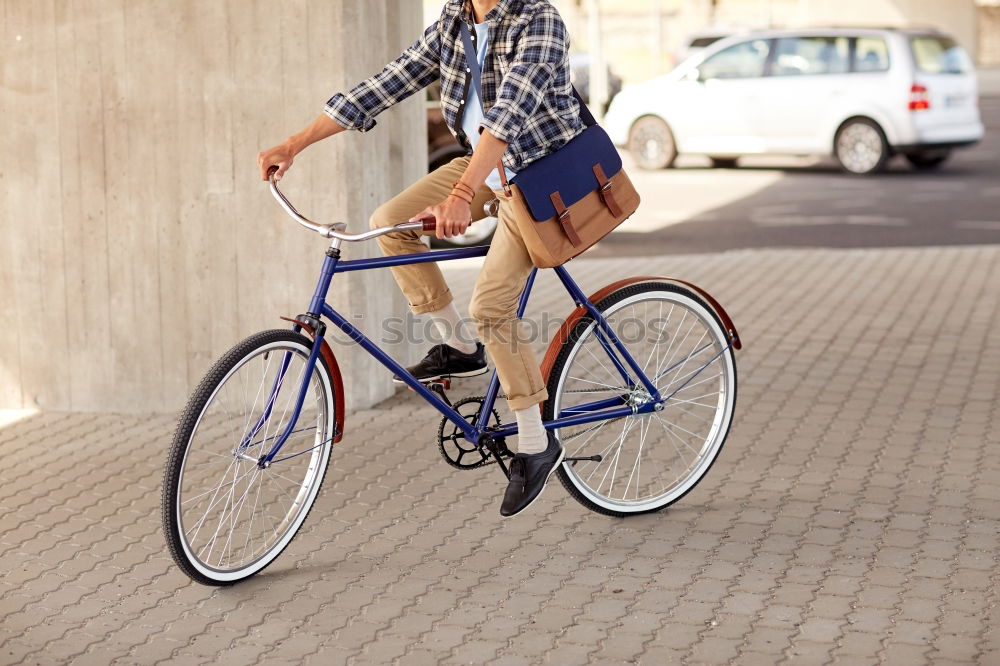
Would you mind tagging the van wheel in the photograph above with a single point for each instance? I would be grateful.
(652, 143)
(928, 159)
(725, 162)
(861, 147)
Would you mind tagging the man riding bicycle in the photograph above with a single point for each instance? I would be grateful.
(527, 112)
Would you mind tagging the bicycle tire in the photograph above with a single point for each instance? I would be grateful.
(557, 380)
(211, 387)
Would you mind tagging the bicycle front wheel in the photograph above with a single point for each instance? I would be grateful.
(648, 460)
(225, 516)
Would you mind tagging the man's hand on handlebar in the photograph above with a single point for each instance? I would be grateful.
(453, 216)
(280, 156)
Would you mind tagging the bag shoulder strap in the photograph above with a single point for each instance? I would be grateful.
(472, 63)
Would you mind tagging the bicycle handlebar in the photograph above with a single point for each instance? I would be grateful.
(336, 230)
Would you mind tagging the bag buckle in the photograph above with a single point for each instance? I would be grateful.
(563, 215)
(606, 186)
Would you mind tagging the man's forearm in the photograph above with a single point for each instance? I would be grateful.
(317, 130)
(488, 152)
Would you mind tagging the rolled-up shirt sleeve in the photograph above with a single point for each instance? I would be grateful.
(541, 48)
(415, 69)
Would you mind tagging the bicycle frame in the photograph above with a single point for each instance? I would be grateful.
(600, 410)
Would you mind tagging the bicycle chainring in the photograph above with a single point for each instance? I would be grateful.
(454, 447)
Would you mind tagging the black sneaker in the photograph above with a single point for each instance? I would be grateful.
(446, 361)
(528, 476)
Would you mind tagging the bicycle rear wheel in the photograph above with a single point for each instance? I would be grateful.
(225, 517)
(649, 461)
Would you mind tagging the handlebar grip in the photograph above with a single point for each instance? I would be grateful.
(430, 224)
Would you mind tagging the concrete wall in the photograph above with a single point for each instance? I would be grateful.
(136, 241)
(955, 17)
(989, 36)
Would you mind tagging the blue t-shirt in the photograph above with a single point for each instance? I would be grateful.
(473, 115)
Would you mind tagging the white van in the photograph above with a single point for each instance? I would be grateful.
(861, 95)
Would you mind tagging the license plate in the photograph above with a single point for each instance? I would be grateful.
(955, 100)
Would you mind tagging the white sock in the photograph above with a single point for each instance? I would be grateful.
(453, 329)
(531, 437)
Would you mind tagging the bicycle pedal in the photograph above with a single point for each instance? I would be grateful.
(443, 383)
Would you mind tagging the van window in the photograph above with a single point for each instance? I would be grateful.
(740, 61)
(804, 56)
(871, 55)
(702, 42)
(935, 54)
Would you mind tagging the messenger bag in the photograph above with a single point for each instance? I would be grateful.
(568, 200)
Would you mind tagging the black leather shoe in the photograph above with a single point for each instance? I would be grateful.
(528, 475)
(445, 361)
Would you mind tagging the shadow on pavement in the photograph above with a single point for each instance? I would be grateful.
(819, 206)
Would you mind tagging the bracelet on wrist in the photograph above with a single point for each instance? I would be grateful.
(459, 194)
(465, 188)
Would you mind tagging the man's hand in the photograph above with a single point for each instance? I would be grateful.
(280, 156)
(453, 217)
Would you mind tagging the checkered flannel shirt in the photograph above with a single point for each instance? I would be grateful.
(527, 95)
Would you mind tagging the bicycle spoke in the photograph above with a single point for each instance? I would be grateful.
(234, 520)
(609, 387)
(211, 542)
(592, 355)
(688, 358)
(253, 513)
(684, 362)
(643, 431)
(220, 486)
(694, 401)
(692, 414)
(605, 450)
(692, 385)
(669, 430)
(673, 339)
(653, 347)
(671, 424)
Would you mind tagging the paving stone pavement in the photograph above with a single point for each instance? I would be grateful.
(853, 516)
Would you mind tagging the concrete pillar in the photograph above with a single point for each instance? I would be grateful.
(598, 66)
(377, 165)
(137, 243)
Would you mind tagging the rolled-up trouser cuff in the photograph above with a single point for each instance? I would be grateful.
(518, 403)
(433, 305)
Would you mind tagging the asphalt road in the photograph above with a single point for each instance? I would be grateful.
(794, 202)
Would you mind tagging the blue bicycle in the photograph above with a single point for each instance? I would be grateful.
(641, 380)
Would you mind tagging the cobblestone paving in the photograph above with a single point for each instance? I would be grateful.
(852, 517)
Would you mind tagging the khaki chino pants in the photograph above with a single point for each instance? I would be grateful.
(498, 287)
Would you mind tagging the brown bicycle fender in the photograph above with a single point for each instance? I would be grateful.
(563, 334)
(335, 377)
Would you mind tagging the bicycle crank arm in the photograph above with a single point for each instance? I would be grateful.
(584, 459)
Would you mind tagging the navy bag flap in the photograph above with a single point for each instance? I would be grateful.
(569, 171)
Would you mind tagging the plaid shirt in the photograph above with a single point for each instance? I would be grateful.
(527, 95)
